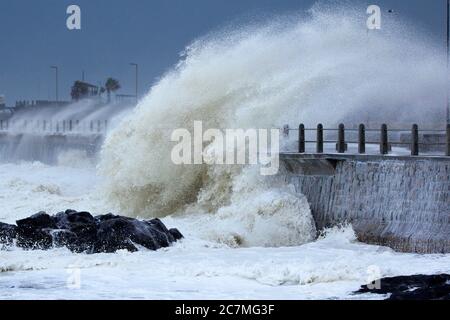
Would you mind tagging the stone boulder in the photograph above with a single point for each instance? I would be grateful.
(82, 232)
(416, 287)
(7, 233)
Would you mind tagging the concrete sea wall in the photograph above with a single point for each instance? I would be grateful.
(400, 203)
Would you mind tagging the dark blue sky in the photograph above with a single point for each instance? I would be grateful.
(33, 36)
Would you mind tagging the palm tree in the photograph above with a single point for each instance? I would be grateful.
(111, 85)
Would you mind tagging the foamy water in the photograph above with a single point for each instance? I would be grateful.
(198, 267)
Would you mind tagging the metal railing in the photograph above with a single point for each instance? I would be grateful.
(366, 136)
(54, 126)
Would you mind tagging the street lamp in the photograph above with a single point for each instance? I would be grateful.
(56, 73)
(448, 59)
(137, 68)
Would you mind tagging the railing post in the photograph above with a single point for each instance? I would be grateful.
(447, 152)
(70, 125)
(341, 139)
(106, 127)
(384, 144)
(319, 138)
(301, 138)
(92, 126)
(99, 124)
(415, 140)
(285, 130)
(362, 139)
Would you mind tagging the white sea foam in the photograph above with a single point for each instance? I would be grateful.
(332, 267)
(27, 188)
(75, 159)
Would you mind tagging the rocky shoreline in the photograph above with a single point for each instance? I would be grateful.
(82, 232)
(416, 287)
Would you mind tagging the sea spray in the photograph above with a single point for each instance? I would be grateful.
(45, 133)
(255, 211)
(318, 68)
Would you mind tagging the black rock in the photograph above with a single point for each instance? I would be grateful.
(40, 220)
(416, 287)
(126, 233)
(115, 234)
(35, 232)
(105, 217)
(7, 233)
(65, 238)
(71, 218)
(176, 234)
(81, 232)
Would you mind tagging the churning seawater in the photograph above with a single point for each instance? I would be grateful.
(246, 236)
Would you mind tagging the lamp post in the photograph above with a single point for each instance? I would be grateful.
(56, 82)
(137, 80)
(448, 61)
